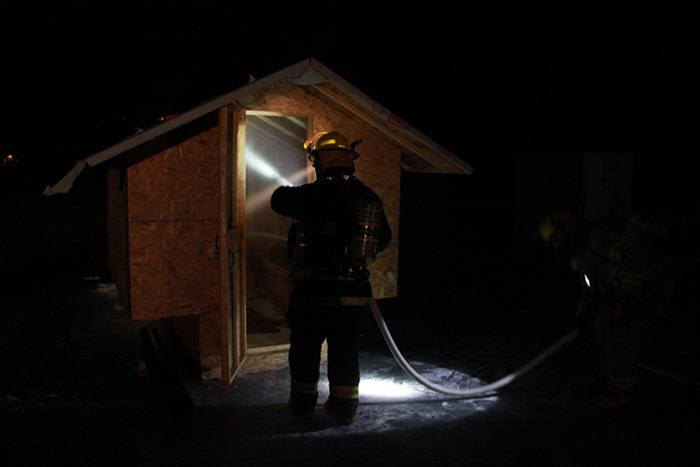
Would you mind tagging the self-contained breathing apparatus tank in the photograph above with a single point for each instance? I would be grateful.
(364, 243)
(361, 240)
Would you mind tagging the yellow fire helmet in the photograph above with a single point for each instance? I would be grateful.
(330, 141)
(547, 229)
(330, 152)
(557, 224)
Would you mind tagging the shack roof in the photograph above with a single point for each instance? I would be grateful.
(310, 73)
(422, 153)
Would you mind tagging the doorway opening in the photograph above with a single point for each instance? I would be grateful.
(274, 157)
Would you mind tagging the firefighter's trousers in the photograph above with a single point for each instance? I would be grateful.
(340, 326)
(621, 333)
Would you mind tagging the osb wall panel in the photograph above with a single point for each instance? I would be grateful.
(210, 337)
(174, 270)
(173, 207)
(117, 233)
(379, 165)
(180, 183)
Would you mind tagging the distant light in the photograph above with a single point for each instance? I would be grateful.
(165, 118)
(588, 282)
(9, 161)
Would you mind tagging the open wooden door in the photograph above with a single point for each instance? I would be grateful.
(274, 157)
(233, 287)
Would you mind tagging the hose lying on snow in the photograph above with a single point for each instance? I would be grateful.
(474, 392)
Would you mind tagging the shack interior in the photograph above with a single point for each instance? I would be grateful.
(274, 157)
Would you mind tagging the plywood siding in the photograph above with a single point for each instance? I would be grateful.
(173, 227)
(118, 232)
(171, 268)
(379, 165)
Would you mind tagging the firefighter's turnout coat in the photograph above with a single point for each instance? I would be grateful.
(330, 289)
(626, 282)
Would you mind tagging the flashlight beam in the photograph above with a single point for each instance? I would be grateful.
(262, 167)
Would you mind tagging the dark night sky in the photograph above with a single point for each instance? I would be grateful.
(79, 78)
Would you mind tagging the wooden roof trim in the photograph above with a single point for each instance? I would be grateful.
(373, 112)
(437, 160)
(308, 73)
(291, 72)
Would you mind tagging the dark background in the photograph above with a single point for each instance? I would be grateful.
(525, 96)
(79, 77)
(521, 95)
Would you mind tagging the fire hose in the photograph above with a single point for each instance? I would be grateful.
(487, 388)
(467, 393)
(472, 392)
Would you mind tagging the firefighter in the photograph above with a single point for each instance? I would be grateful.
(339, 228)
(626, 282)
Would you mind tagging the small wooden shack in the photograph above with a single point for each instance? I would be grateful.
(192, 238)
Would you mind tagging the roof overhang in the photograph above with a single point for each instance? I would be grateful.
(431, 157)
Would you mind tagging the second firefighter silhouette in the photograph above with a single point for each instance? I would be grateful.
(340, 227)
(626, 283)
